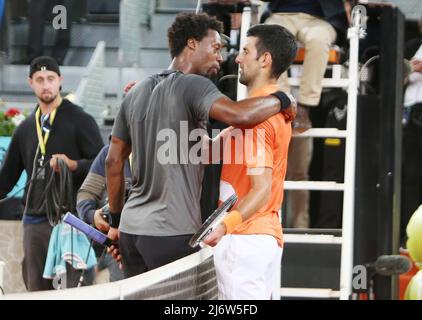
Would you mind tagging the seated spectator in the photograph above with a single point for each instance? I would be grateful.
(316, 24)
(411, 196)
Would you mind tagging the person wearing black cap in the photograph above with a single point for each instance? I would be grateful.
(55, 129)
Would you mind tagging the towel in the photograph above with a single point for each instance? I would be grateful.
(60, 251)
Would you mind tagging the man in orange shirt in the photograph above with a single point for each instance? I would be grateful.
(250, 241)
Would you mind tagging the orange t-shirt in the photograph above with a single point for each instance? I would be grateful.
(265, 145)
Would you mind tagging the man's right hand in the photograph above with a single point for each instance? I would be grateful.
(99, 221)
(114, 250)
(215, 236)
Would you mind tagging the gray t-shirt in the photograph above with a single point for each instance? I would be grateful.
(163, 118)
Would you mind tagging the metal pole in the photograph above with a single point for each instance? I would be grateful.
(198, 6)
(355, 32)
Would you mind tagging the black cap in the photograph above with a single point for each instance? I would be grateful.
(43, 63)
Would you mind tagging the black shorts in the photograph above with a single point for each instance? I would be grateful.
(144, 253)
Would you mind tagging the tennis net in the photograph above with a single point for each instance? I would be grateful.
(190, 278)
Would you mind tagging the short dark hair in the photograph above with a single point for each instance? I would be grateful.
(187, 26)
(279, 42)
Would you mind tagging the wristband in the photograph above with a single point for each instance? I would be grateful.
(115, 219)
(285, 99)
(232, 220)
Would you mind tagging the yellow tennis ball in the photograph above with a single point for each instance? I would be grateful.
(414, 288)
(414, 226)
(414, 235)
(414, 246)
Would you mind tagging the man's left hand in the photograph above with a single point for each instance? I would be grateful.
(71, 164)
(215, 236)
(416, 65)
(99, 221)
(290, 113)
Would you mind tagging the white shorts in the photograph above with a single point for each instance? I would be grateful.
(247, 266)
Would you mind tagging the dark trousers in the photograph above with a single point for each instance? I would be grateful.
(35, 247)
(38, 12)
(411, 197)
(144, 253)
(36, 238)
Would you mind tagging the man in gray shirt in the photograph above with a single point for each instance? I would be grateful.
(160, 122)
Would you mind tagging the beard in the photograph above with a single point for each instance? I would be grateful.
(47, 100)
(210, 73)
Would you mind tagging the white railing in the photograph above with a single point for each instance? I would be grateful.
(246, 22)
(355, 32)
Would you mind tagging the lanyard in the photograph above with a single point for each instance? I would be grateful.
(42, 141)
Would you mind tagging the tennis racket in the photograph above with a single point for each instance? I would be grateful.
(213, 220)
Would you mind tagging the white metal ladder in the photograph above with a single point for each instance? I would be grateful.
(355, 32)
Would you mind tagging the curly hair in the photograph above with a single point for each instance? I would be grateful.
(187, 26)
